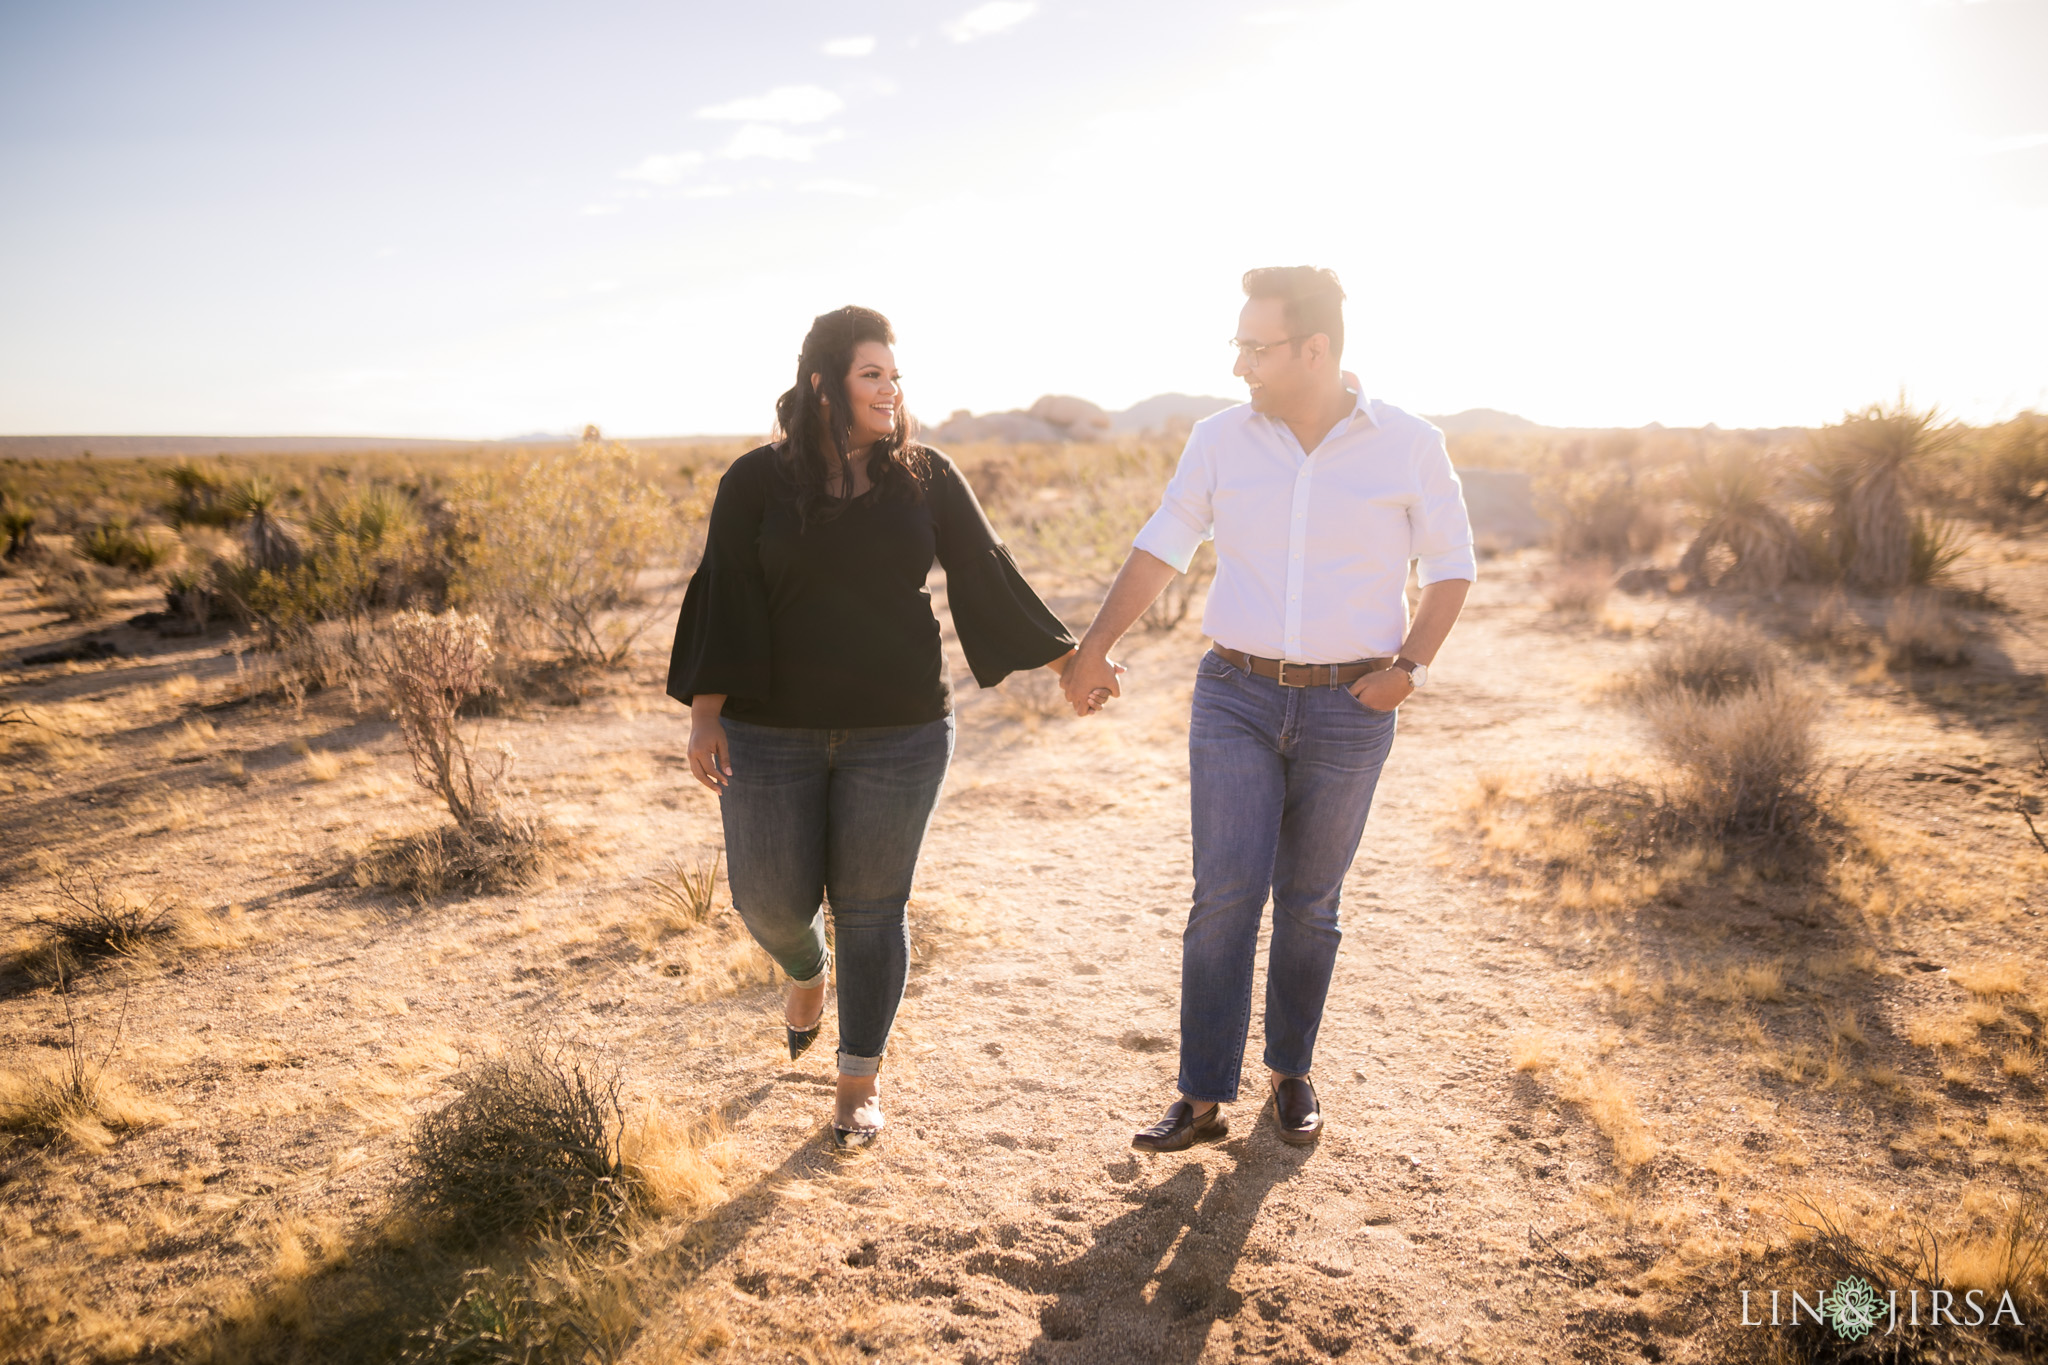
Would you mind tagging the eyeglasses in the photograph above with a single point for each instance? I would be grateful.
(1252, 352)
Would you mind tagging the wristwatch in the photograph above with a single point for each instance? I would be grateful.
(1418, 674)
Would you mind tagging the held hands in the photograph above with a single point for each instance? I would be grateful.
(710, 757)
(1384, 690)
(1089, 681)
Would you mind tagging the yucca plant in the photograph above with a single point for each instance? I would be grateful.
(1863, 467)
(198, 497)
(1730, 491)
(1933, 547)
(272, 546)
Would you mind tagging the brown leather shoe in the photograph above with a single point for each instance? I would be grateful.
(1181, 1128)
(1295, 1110)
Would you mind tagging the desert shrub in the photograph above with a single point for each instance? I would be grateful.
(685, 895)
(505, 852)
(2011, 472)
(1864, 468)
(1602, 512)
(121, 544)
(98, 919)
(433, 665)
(361, 553)
(1903, 1253)
(554, 550)
(1740, 735)
(533, 1138)
(19, 525)
(1710, 658)
(189, 598)
(1920, 630)
(1747, 760)
(76, 1100)
(1756, 545)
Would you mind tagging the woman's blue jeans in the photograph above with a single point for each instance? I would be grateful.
(1281, 780)
(834, 816)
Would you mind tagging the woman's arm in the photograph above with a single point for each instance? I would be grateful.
(710, 758)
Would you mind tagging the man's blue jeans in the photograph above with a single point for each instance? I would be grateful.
(834, 816)
(1281, 780)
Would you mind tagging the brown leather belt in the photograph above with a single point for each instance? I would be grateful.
(1301, 675)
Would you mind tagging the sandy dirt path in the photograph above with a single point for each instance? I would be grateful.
(1006, 1218)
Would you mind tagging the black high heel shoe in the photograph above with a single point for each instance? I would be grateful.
(800, 1040)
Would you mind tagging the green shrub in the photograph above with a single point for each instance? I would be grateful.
(533, 1138)
(554, 550)
(122, 545)
(19, 525)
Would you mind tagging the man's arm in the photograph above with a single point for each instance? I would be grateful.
(1435, 614)
(1143, 577)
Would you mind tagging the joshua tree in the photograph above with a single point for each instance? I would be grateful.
(1862, 466)
(1731, 492)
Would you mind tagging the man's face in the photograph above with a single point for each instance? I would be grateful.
(1277, 377)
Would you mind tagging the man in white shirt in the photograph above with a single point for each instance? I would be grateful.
(1317, 498)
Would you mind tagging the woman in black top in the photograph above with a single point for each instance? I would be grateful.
(819, 705)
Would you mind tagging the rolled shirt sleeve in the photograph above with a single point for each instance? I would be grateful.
(1186, 514)
(1439, 526)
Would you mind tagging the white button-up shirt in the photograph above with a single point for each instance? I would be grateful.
(1312, 549)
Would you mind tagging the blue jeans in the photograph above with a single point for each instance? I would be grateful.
(1280, 780)
(834, 816)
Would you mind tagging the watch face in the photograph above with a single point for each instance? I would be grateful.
(1419, 675)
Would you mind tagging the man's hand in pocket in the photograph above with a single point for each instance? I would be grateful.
(1384, 690)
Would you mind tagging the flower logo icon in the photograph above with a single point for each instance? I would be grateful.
(1852, 1308)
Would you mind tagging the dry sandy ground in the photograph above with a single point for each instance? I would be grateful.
(1458, 1207)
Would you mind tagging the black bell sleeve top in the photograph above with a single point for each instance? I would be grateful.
(830, 626)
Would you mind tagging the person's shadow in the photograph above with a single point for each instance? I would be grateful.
(1103, 1310)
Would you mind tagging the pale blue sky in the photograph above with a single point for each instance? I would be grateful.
(476, 220)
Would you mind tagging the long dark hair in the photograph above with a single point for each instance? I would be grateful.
(815, 435)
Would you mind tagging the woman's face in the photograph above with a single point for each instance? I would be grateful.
(873, 387)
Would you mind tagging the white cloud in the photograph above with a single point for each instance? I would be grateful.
(776, 144)
(707, 191)
(599, 210)
(829, 186)
(664, 170)
(993, 17)
(850, 47)
(783, 104)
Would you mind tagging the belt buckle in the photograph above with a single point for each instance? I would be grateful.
(1284, 666)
